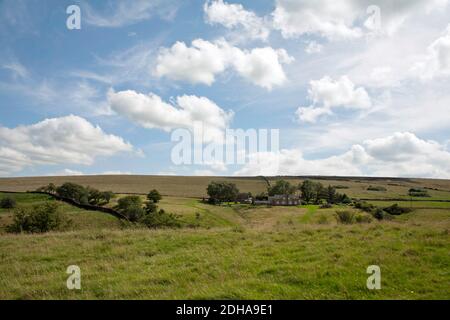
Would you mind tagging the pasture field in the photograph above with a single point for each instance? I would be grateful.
(232, 251)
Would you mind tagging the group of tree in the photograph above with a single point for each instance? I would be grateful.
(219, 192)
(281, 187)
(147, 212)
(311, 192)
(79, 193)
(315, 192)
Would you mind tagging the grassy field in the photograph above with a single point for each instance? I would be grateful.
(233, 251)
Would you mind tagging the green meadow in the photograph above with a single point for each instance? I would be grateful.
(234, 251)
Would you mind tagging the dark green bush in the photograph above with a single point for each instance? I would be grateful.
(8, 203)
(38, 219)
(339, 186)
(379, 214)
(364, 206)
(344, 199)
(154, 196)
(396, 210)
(150, 207)
(376, 188)
(417, 192)
(127, 202)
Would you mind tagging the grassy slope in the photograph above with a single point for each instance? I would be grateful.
(233, 252)
(288, 262)
(80, 219)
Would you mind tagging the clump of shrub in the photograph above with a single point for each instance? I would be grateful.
(131, 208)
(345, 216)
(149, 215)
(326, 206)
(364, 206)
(339, 186)
(396, 210)
(376, 188)
(417, 192)
(38, 219)
(161, 218)
(134, 213)
(379, 214)
(8, 202)
(129, 201)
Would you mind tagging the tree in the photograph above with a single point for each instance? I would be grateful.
(282, 187)
(222, 191)
(127, 202)
(342, 198)
(154, 196)
(313, 191)
(307, 190)
(331, 195)
(107, 196)
(73, 191)
(51, 188)
(261, 196)
(95, 197)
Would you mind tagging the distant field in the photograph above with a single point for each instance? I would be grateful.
(231, 251)
(167, 185)
(177, 186)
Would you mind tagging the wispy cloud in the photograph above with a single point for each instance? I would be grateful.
(130, 12)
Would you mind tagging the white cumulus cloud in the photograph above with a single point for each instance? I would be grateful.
(235, 16)
(204, 60)
(327, 94)
(150, 111)
(66, 140)
(402, 154)
(437, 61)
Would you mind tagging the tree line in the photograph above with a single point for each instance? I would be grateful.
(311, 192)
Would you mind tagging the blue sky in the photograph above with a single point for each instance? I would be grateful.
(350, 93)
